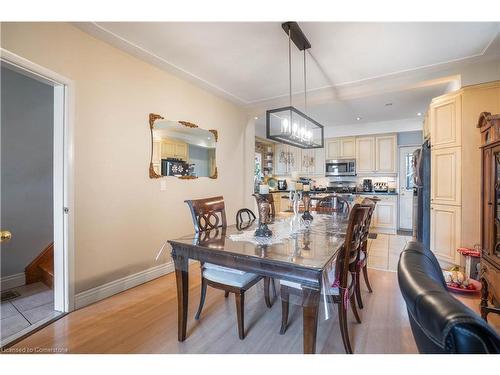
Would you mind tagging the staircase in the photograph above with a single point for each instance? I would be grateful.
(42, 268)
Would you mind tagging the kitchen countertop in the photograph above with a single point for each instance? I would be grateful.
(328, 192)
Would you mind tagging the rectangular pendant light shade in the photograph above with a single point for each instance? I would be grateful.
(291, 126)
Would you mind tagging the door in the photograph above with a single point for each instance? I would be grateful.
(446, 180)
(445, 121)
(348, 147)
(406, 187)
(365, 154)
(385, 154)
(333, 148)
(34, 200)
(445, 232)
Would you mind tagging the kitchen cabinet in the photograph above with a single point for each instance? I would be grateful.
(376, 154)
(312, 162)
(384, 219)
(445, 121)
(171, 148)
(385, 154)
(446, 180)
(287, 160)
(445, 233)
(365, 154)
(341, 148)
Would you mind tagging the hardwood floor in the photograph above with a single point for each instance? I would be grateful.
(144, 320)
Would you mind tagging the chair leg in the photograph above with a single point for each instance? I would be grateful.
(267, 282)
(343, 327)
(202, 297)
(365, 276)
(284, 308)
(240, 313)
(357, 289)
(352, 302)
(273, 285)
(226, 294)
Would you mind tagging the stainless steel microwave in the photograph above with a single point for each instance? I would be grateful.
(341, 167)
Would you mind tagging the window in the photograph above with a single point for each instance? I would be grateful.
(409, 171)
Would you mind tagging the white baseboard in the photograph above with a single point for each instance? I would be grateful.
(107, 290)
(13, 281)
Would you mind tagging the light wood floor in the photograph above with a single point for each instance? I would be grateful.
(144, 320)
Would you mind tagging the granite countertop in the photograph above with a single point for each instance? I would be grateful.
(328, 192)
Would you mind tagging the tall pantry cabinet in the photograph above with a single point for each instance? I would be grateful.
(456, 167)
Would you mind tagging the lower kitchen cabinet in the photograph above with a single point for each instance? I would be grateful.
(445, 233)
(384, 219)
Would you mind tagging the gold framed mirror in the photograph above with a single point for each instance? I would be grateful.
(181, 149)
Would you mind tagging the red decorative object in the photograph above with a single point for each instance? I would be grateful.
(475, 283)
(469, 252)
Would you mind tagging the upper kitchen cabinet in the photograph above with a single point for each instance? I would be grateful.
(445, 121)
(376, 154)
(365, 154)
(385, 154)
(313, 161)
(287, 159)
(446, 180)
(341, 148)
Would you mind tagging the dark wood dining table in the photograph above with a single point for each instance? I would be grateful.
(302, 254)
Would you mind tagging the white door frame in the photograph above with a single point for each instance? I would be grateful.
(63, 175)
(399, 179)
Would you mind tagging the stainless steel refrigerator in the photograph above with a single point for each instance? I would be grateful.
(422, 195)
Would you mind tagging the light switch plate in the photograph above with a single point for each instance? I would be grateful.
(163, 184)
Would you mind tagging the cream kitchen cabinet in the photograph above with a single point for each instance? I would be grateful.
(384, 219)
(341, 148)
(287, 160)
(385, 154)
(445, 233)
(156, 159)
(446, 179)
(312, 161)
(445, 121)
(365, 154)
(171, 148)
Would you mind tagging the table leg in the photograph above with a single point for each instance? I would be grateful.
(182, 279)
(310, 309)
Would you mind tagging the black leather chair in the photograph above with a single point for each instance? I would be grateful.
(439, 322)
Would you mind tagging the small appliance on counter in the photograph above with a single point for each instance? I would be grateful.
(282, 185)
(380, 187)
(175, 167)
(367, 185)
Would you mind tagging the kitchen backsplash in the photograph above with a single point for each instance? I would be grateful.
(325, 181)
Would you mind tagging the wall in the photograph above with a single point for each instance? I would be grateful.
(410, 138)
(121, 216)
(378, 127)
(27, 124)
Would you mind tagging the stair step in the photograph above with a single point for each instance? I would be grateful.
(47, 271)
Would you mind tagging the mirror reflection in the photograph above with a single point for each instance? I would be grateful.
(183, 150)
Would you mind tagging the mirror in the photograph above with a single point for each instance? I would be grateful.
(181, 149)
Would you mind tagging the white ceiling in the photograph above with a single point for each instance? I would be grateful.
(247, 62)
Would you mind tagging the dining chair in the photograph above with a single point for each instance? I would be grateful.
(333, 203)
(362, 264)
(341, 291)
(209, 215)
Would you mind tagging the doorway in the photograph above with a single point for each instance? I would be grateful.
(406, 188)
(36, 198)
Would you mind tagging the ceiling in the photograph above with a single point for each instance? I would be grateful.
(247, 62)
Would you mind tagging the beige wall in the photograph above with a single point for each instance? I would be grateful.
(121, 216)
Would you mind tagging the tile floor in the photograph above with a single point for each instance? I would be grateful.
(383, 252)
(35, 303)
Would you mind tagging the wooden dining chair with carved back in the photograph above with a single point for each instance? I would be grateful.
(342, 289)
(209, 215)
(333, 203)
(362, 264)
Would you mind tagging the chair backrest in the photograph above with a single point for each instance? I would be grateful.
(371, 204)
(349, 254)
(439, 322)
(207, 213)
(332, 203)
(244, 218)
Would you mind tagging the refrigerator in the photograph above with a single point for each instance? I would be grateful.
(422, 194)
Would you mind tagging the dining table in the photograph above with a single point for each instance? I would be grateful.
(300, 251)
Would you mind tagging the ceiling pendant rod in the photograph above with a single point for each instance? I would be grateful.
(305, 84)
(290, 65)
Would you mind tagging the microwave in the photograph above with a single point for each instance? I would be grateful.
(342, 167)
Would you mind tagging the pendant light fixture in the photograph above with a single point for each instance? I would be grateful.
(287, 124)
